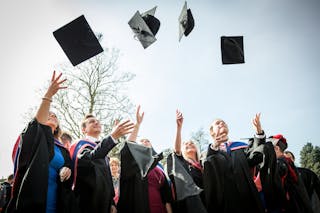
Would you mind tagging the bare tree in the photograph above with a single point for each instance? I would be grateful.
(201, 138)
(94, 87)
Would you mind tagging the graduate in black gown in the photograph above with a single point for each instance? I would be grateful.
(263, 161)
(297, 199)
(228, 180)
(93, 184)
(144, 187)
(42, 164)
(185, 171)
(311, 182)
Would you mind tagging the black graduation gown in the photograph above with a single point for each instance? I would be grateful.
(93, 186)
(136, 162)
(312, 184)
(31, 178)
(298, 199)
(262, 157)
(228, 183)
(187, 185)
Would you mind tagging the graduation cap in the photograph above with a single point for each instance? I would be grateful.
(186, 21)
(78, 41)
(145, 26)
(232, 49)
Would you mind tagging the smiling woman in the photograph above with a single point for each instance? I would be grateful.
(43, 163)
(187, 157)
(279, 42)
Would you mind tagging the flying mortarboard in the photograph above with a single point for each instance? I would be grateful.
(232, 49)
(145, 26)
(186, 21)
(78, 41)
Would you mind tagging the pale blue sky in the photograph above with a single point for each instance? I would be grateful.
(279, 78)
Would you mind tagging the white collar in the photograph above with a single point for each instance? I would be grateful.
(90, 138)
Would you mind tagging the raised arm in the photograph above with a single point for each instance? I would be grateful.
(257, 148)
(55, 86)
(177, 145)
(103, 148)
(257, 124)
(139, 118)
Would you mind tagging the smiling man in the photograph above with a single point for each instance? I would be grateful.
(92, 177)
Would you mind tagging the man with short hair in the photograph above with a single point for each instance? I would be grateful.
(5, 188)
(66, 139)
(92, 177)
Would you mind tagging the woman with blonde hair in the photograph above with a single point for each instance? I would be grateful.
(185, 162)
(115, 173)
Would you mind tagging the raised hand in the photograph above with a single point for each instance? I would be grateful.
(121, 129)
(220, 137)
(257, 124)
(179, 118)
(177, 143)
(55, 86)
(139, 117)
(43, 111)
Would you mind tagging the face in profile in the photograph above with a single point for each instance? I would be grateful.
(52, 120)
(145, 142)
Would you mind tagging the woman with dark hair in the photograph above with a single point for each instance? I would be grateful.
(42, 164)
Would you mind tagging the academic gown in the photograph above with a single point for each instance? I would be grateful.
(228, 183)
(93, 181)
(186, 182)
(136, 162)
(33, 152)
(262, 158)
(297, 197)
(312, 184)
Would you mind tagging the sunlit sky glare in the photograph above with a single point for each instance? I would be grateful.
(279, 77)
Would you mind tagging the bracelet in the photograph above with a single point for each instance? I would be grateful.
(47, 99)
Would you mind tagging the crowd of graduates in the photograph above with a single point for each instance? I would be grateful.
(52, 174)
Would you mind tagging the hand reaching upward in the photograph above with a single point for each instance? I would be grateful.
(179, 118)
(257, 124)
(139, 117)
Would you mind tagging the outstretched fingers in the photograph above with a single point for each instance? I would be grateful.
(124, 128)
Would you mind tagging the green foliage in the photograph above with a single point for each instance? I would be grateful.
(310, 157)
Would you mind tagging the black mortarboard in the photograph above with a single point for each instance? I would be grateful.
(232, 49)
(186, 21)
(78, 41)
(145, 26)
